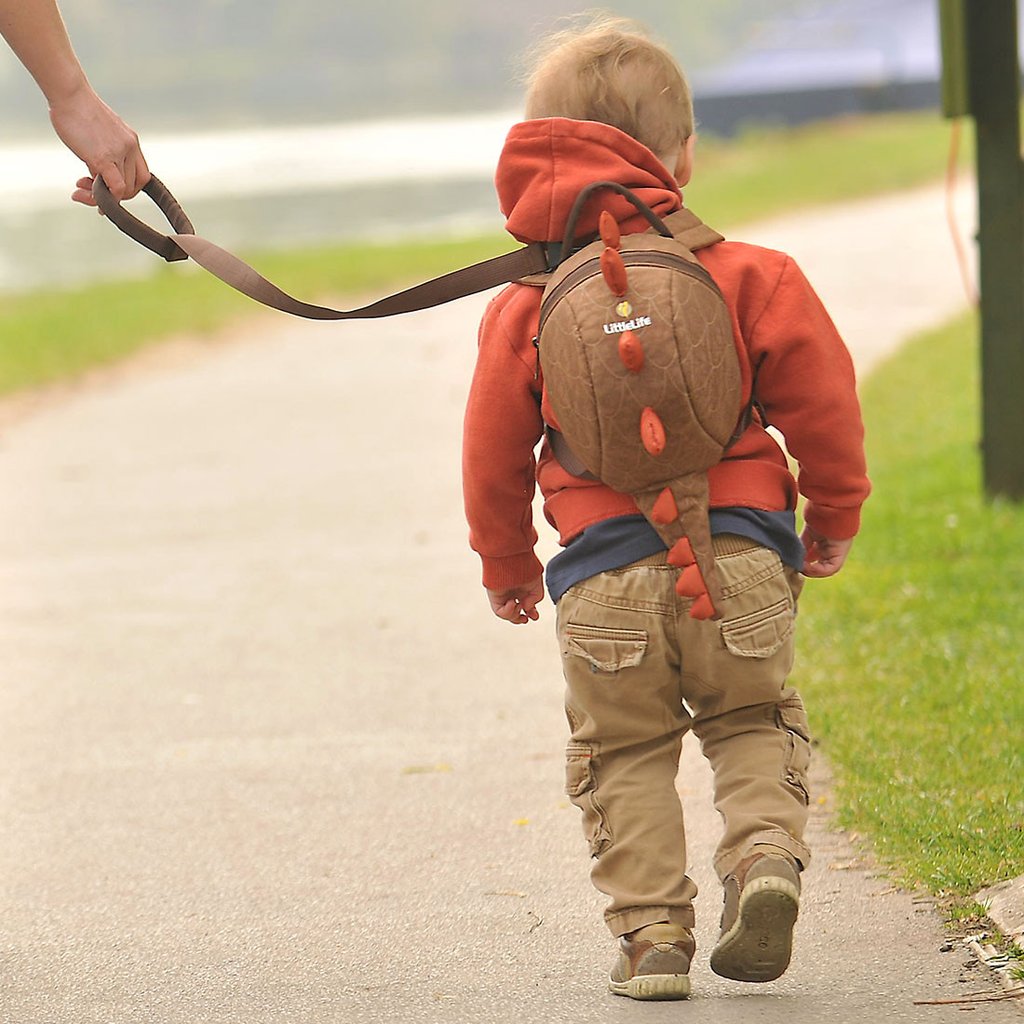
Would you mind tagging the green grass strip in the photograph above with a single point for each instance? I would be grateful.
(912, 659)
(772, 171)
(49, 336)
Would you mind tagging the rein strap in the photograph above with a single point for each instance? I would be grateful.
(183, 243)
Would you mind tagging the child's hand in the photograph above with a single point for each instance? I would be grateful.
(519, 604)
(825, 557)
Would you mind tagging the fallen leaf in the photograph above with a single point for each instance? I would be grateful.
(426, 769)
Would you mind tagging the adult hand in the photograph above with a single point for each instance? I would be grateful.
(825, 556)
(518, 604)
(108, 147)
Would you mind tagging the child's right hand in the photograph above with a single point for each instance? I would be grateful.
(518, 604)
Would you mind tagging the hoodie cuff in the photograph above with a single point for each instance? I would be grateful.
(834, 523)
(512, 571)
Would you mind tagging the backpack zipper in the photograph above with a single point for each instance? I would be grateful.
(637, 258)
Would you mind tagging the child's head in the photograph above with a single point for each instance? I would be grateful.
(611, 71)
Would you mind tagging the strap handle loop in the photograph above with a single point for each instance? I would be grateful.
(569, 242)
(152, 239)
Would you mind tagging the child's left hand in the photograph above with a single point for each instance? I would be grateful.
(825, 556)
(518, 604)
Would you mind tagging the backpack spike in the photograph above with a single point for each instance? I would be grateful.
(652, 432)
(614, 271)
(681, 554)
(631, 352)
(609, 228)
(702, 608)
(665, 510)
(691, 582)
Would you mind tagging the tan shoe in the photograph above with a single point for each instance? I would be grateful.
(762, 900)
(653, 963)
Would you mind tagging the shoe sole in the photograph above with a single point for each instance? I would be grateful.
(759, 945)
(653, 986)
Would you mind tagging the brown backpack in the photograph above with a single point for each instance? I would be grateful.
(643, 375)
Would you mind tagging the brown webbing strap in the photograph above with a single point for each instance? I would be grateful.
(565, 456)
(689, 229)
(184, 243)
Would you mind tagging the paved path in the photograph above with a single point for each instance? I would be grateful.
(267, 758)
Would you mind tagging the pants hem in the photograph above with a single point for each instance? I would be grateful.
(727, 860)
(626, 921)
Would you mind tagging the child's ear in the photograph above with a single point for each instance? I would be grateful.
(684, 164)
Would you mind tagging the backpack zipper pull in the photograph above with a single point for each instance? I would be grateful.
(536, 348)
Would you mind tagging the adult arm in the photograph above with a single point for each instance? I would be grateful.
(34, 29)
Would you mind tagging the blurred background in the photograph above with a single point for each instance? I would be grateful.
(308, 121)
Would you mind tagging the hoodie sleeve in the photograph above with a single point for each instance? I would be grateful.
(502, 427)
(807, 387)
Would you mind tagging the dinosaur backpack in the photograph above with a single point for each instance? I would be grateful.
(643, 375)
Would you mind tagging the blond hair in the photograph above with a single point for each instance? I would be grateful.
(610, 70)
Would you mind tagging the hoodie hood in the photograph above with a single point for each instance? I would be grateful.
(546, 162)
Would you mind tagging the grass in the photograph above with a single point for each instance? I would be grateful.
(55, 335)
(49, 336)
(912, 658)
(767, 172)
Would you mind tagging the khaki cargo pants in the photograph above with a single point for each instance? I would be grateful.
(640, 673)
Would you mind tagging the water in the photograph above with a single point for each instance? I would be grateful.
(257, 189)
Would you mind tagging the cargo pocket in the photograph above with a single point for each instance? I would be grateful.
(581, 785)
(761, 633)
(605, 649)
(792, 718)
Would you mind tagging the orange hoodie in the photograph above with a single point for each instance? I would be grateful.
(804, 376)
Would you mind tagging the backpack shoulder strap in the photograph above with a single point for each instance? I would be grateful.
(691, 231)
(538, 280)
